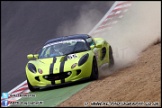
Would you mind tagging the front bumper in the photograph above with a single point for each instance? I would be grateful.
(61, 78)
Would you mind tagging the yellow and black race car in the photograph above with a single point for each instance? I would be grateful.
(67, 59)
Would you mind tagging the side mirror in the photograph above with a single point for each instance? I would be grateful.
(98, 46)
(31, 56)
(36, 56)
(92, 46)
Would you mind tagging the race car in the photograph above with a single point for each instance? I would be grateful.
(67, 59)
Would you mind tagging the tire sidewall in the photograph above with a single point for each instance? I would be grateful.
(94, 74)
(31, 88)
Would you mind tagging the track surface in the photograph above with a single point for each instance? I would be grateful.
(27, 25)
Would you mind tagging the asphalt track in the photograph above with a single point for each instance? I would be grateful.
(27, 25)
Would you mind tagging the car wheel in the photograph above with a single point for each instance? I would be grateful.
(31, 88)
(111, 57)
(94, 74)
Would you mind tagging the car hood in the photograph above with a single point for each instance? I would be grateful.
(57, 63)
(65, 58)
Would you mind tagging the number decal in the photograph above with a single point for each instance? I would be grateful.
(72, 56)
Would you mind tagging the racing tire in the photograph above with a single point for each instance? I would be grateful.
(31, 88)
(111, 58)
(94, 74)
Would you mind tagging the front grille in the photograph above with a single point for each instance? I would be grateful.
(59, 76)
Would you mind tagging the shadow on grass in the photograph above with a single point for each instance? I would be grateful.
(64, 85)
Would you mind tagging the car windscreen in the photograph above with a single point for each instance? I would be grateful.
(64, 47)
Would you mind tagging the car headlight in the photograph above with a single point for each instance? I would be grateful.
(40, 71)
(31, 67)
(74, 65)
(83, 59)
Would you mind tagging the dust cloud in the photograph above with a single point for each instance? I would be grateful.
(81, 26)
(135, 32)
(89, 15)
